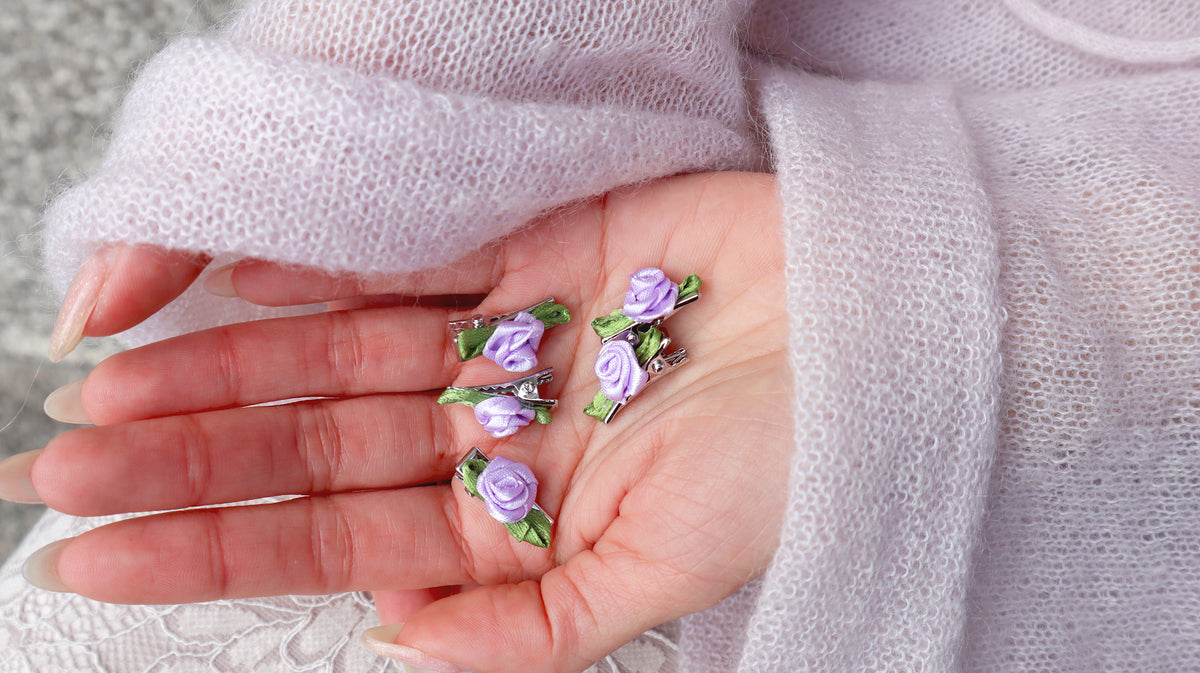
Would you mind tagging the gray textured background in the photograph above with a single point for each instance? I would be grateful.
(64, 65)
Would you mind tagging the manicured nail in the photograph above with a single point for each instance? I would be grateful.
(15, 482)
(220, 281)
(382, 641)
(65, 405)
(40, 570)
(79, 303)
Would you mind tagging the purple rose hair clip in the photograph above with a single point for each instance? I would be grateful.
(509, 490)
(510, 340)
(635, 346)
(504, 408)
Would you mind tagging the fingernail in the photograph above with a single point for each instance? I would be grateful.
(16, 485)
(220, 281)
(65, 405)
(40, 570)
(382, 641)
(78, 305)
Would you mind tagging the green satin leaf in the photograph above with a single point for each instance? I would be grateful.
(534, 529)
(689, 287)
(462, 396)
(551, 314)
(649, 346)
(471, 341)
(471, 471)
(613, 323)
(542, 415)
(599, 407)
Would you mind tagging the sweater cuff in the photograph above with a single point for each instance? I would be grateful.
(231, 150)
(892, 289)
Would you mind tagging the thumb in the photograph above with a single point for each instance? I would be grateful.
(397, 606)
(569, 619)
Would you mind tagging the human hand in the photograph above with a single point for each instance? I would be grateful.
(664, 512)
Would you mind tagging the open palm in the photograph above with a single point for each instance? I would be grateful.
(664, 511)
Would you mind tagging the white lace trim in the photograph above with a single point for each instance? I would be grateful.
(43, 632)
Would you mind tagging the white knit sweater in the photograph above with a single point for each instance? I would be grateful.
(994, 274)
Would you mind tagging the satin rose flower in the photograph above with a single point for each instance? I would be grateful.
(621, 375)
(515, 342)
(508, 488)
(502, 416)
(651, 295)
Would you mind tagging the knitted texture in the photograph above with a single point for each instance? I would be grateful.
(992, 279)
(896, 328)
(1091, 554)
(352, 136)
(980, 44)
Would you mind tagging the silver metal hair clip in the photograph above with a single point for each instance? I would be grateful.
(460, 472)
(509, 489)
(476, 321)
(504, 408)
(510, 340)
(473, 454)
(661, 362)
(525, 388)
(664, 361)
(634, 346)
(642, 327)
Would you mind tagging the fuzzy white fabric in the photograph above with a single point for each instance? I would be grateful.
(994, 265)
(387, 137)
(896, 324)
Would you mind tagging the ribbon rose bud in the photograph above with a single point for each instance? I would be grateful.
(515, 342)
(508, 488)
(501, 416)
(651, 295)
(621, 375)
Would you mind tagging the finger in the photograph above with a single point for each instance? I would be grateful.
(118, 287)
(394, 539)
(575, 615)
(455, 301)
(398, 606)
(271, 284)
(242, 454)
(336, 354)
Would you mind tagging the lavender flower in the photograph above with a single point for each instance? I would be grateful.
(508, 488)
(651, 295)
(502, 416)
(515, 342)
(621, 376)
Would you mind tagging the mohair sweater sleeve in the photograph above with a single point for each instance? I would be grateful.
(387, 137)
(892, 290)
(994, 318)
